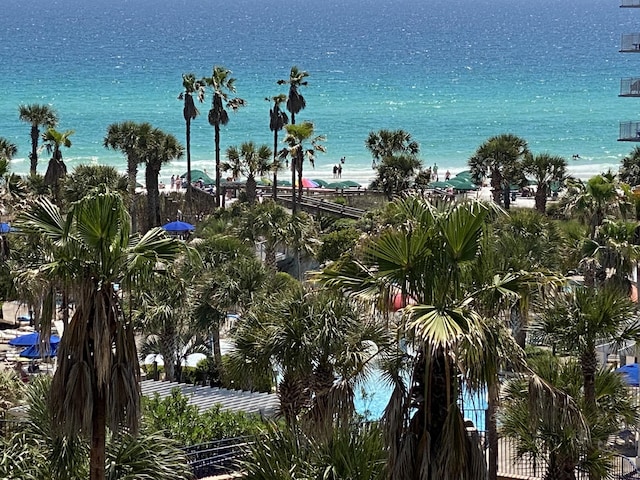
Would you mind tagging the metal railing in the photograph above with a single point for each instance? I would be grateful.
(218, 457)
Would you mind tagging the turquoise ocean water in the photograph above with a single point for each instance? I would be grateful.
(451, 72)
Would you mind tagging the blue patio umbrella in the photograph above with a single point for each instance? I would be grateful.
(5, 227)
(178, 227)
(34, 352)
(31, 339)
(630, 374)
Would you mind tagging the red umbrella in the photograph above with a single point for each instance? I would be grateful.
(308, 183)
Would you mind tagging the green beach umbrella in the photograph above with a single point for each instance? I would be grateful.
(319, 181)
(284, 183)
(197, 175)
(350, 183)
(442, 185)
(462, 184)
(264, 181)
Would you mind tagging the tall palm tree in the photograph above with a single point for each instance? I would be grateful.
(249, 160)
(53, 142)
(277, 120)
(388, 143)
(37, 115)
(395, 174)
(162, 148)
(222, 85)
(296, 150)
(545, 170)
(427, 255)
(132, 139)
(96, 382)
(500, 157)
(295, 100)
(190, 112)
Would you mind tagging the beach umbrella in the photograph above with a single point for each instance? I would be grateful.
(34, 351)
(284, 183)
(441, 185)
(350, 183)
(199, 175)
(5, 228)
(320, 182)
(308, 183)
(31, 339)
(265, 181)
(462, 184)
(630, 374)
(178, 227)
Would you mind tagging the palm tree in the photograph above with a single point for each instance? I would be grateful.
(599, 198)
(96, 381)
(388, 143)
(548, 435)
(545, 170)
(296, 136)
(132, 139)
(427, 255)
(162, 148)
(86, 178)
(583, 318)
(37, 115)
(277, 120)
(7, 152)
(395, 174)
(295, 101)
(500, 157)
(249, 161)
(630, 169)
(222, 84)
(190, 112)
(54, 141)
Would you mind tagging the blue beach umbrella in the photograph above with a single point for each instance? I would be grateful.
(630, 374)
(31, 339)
(5, 227)
(178, 227)
(34, 352)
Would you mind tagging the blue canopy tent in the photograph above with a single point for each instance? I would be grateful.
(31, 339)
(34, 352)
(630, 374)
(178, 227)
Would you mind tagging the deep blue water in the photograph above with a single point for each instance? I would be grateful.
(451, 72)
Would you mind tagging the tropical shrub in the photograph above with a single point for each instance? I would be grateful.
(183, 423)
(336, 243)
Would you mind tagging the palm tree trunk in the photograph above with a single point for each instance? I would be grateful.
(35, 134)
(217, 144)
(589, 364)
(294, 161)
(98, 436)
(275, 171)
(153, 195)
(541, 198)
(188, 141)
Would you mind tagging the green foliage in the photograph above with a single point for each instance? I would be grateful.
(12, 389)
(355, 452)
(175, 419)
(336, 243)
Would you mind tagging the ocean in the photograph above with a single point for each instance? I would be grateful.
(450, 72)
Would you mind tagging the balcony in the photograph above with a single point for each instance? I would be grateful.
(630, 87)
(630, 4)
(629, 132)
(630, 43)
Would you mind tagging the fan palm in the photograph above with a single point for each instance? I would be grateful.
(426, 256)
(222, 85)
(500, 157)
(7, 152)
(296, 150)
(545, 170)
(97, 376)
(132, 139)
(630, 169)
(162, 148)
(295, 101)
(190, 112)
(277, 120)
(85, 178)
(37, 115)
(249, 160)
(53, 142)
(388, 143)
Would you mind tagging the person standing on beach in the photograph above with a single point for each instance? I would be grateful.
(340, 171)
(435, 171)
(173, 182)
(335, 171)
(447, 176)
